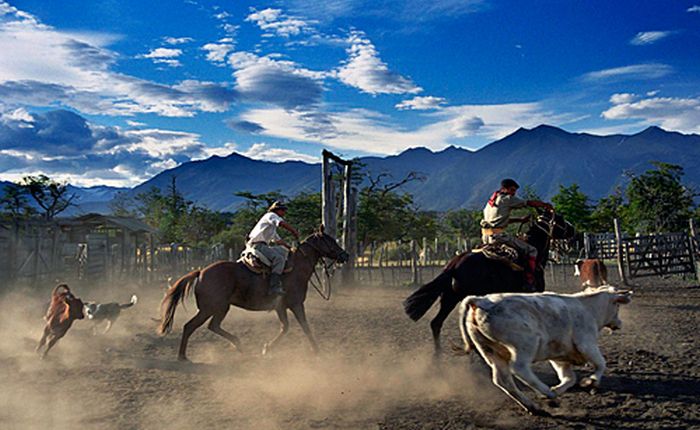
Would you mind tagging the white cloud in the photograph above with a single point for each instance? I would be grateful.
(649, 37)
(263, 151)
(671, 113)
(217, 52)
(622, 98)
(694, 8)
(366, 71)
(275, 22)
(164, 56)
(371, 132)
(42, 66)
(421, 103)
(135, 123)
(635, 71)
(62, 145)
(163, 53)
(177, 40)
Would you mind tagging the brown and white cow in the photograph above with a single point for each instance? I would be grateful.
(512, 331)
(592, 271)
(63, 310)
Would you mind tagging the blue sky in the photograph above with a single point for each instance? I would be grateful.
(113, 92)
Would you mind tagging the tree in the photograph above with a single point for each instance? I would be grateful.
(574, 206)
(123, 205)
(606, 210)
(462, 223)
(51, 196)
(658, 200)
(15, 203)
(305, 212)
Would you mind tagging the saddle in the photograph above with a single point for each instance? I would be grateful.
(258, 263)
(502, 252)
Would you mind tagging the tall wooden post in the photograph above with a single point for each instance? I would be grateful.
(328, 196)
(618, 246)
(414, 263)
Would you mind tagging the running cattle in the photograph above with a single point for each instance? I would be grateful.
(63, 310)
(512, 331)
(592, 272)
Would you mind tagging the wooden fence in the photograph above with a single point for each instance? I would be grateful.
(637, 256)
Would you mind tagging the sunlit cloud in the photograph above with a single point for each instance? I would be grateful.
(635, 71)
(365, 70)
(649, 37)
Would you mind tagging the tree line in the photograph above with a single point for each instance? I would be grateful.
(657, 200)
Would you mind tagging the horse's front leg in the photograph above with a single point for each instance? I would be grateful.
(300, 315)
(284, 328)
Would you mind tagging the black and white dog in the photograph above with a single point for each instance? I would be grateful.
(98, 312)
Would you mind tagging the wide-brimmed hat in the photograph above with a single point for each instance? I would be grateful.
(277, 205)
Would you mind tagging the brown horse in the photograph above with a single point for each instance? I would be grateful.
(225, 283)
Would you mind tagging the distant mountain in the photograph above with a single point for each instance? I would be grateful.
(543, 157)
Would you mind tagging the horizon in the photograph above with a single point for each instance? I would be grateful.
(120, 92)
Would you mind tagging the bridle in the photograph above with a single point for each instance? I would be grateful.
(328, 270)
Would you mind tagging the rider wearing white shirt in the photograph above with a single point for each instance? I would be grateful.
(264, 239)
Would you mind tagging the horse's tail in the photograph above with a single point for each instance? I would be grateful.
(178, 292)
(418, 303)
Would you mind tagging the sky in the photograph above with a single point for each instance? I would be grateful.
(112, 92)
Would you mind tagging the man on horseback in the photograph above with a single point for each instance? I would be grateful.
(264, 239)
(497, 217)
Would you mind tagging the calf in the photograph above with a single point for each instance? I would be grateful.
(592, 271)
(512, 331)
(63, 310)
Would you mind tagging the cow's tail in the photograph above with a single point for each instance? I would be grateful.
(177, 293)
(418, 303)
(133, 301)
(467, 304)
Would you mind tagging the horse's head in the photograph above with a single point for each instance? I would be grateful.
(327, 246)
(555, 225)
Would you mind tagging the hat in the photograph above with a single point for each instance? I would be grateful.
(277, 205)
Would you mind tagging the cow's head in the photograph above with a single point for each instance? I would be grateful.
(615, 298)
(75, 307)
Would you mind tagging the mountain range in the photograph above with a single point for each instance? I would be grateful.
(542, 158)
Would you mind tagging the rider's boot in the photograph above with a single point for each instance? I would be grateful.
(530, 285)
(276, 284)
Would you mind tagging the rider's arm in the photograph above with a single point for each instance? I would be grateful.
(539, 204)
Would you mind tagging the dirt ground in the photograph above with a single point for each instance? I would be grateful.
(375, 370)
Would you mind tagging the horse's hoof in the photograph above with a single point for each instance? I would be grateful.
(183, 359)
(539, 412)
(589, 382)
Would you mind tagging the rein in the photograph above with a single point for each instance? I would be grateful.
(318, 282)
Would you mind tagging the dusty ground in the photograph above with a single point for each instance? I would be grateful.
(375, 370)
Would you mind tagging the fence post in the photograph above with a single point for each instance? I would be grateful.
(694, 249)
(414, 263)
(587, 246)
(618, 246)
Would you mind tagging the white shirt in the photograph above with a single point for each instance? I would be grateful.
(266, 229)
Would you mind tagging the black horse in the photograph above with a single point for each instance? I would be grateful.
(475, 274)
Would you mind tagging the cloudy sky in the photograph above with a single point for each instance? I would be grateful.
(114, 91)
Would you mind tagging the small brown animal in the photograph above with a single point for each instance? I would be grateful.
(63, 310)
(592, 272)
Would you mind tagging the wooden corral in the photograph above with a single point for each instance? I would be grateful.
(92, 247)
(642, 255)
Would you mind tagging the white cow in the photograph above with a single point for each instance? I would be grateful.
(512, 331)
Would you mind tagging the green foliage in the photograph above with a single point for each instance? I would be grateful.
(51, 196)
(305, 212)
(658, 201)
(462, 223)
(14, 203)
(574, 206)
(606, 210)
